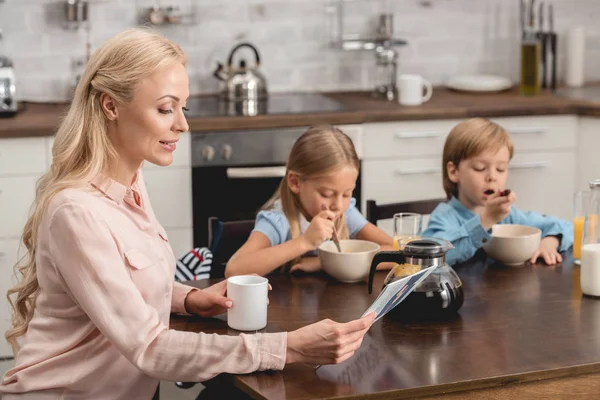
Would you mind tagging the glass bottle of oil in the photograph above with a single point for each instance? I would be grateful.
(530, 64)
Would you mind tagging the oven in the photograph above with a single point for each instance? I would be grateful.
(235, 172)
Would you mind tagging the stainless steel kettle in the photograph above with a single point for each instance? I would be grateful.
(242, 83)
(8, 102)
(440, 295)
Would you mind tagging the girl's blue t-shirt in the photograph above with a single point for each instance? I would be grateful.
(275, 226)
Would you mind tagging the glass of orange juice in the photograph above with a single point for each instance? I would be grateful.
(407, 226)
(581, 201)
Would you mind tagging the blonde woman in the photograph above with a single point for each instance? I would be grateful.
(313, 199)
(91, 311)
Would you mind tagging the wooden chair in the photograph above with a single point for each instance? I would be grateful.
(377, 212)
(225, 238)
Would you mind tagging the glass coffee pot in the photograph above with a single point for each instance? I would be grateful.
(439, 296)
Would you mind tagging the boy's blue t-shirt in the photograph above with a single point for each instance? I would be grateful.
(454, 222)
(275, 226)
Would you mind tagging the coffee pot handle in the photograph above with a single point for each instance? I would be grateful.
(384, 256)
(230, 61)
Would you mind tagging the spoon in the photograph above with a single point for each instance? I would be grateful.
(335, 238)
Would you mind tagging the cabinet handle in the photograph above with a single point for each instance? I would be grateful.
(417, 171)
(527, 130)
(529, 165)
(255, 172)
(418, 135)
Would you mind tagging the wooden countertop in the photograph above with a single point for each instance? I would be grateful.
(517, 325)
(43, 119)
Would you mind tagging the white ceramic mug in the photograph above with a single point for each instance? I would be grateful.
(249, 294)
(410, 88)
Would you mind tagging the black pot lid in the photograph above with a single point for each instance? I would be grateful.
(426, 247)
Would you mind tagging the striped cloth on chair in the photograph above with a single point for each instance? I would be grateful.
(194, 265)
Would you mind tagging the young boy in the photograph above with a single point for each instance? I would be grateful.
(475, 168)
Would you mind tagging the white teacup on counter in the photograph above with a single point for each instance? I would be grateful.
(249, 294)
(410, 88)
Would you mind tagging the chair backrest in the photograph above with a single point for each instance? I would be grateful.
(225, 238)
(376, 212)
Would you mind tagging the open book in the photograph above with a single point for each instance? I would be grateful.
(394, 293)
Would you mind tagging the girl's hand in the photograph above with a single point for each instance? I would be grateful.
(208, 302)
(319, 230)
(548, 251)
(327, 342)
(307, 264)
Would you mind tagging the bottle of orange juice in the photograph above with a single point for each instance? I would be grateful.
(578, 224)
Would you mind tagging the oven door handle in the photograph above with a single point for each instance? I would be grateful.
(255, 172)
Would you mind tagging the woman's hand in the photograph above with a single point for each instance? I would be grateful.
(327, 342)
(208, 302)
(548, 250)
(307, 264)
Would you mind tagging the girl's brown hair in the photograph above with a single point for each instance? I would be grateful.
(469, 139)
(320, 151)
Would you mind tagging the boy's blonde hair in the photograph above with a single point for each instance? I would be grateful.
(469, 139)
(320, 151)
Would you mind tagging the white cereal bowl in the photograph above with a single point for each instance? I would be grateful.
(512, 244)
(352, 264)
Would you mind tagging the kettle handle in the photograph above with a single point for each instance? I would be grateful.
(230, 61)
(383, 256)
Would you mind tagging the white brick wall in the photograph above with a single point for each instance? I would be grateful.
(445, 37)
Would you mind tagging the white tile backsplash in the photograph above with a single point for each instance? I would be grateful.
(445, 37)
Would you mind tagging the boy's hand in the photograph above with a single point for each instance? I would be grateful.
(496, 209)
(320, 229)
(548, 251)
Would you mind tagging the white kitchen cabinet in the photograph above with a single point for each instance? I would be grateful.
(403, 179)
(17, 194)
(405, 139)
(170, 191)
(24, 156)
(181, 240)
(9, 255)
(541, 133)
(588, 150)
(22, 162)
(543, 182)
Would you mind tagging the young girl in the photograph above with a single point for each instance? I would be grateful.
(475, 169)
(313, 201)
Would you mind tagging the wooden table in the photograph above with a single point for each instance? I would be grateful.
(528, 325)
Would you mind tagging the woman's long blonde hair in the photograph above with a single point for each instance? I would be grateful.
(320, 151)
(82, 149)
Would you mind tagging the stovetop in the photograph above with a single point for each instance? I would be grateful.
(277, 103)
